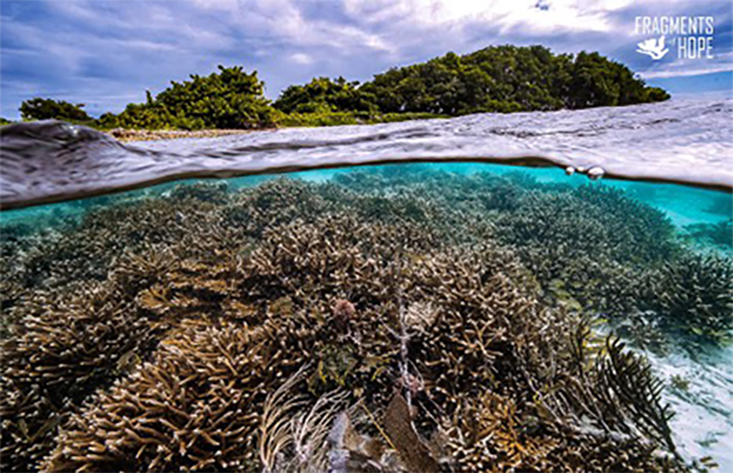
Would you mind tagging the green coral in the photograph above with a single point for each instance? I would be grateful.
(694, 294)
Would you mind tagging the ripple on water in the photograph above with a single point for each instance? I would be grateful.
(680, 141)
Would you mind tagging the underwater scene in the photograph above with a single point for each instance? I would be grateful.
(413, 317)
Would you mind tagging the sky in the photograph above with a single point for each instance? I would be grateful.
(107, 53)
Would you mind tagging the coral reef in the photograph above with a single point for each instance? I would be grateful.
(190, 408)
(66, 347)
(719, 234)
(591, 248)
(387, 321)
(694, 294)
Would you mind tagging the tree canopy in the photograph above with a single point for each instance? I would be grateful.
(44, 109)
(508, 79)
(229, 98)
(494, 79)
(325, 95)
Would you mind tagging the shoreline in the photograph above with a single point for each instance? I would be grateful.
(124, 135)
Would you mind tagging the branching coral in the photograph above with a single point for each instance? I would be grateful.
(63, 353)
(86, 250)
(589, 221)
(66, 347)
(272, 203)
(694, 294)
(206, 192)
(588, 247)
(211, 329)
(488, 435)
(719, 234)
(613, 408)
(190, 408)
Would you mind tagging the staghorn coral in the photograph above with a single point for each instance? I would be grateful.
(206, 301)
(86, 250)
(215, 192)
(591, 221)
(487, 435)
(694, 295)
(62, 355)
(272, 203)
(291, 283)
(190, 408)
(580, 427)
(65, 347)
(589, 247)
(718, 234)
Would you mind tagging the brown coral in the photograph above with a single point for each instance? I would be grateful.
(191, 408)
(162, 356)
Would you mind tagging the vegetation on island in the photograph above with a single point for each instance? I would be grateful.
(45, 109)
(509, 79)
(325, 95)
(230, 98)
(495, 79)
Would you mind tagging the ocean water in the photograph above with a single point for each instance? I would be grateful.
(374, 279)
(682, 141)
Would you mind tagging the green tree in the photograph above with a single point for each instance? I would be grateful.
(494, 79)
(506, 79)
(323, 95)
(229, 98)
(44, 109)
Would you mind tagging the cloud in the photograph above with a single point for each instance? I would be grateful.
(688, 68)
(107, 53)
(227, 5)
(301, 58)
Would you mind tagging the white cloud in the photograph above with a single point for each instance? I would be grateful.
(691, 67)
(118, 48)
(227, 5)
(301, 58)
(568, 15)
(686, 72)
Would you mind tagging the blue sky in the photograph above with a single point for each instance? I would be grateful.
(106, 53)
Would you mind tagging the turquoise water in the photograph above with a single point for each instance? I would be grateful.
(697, 373)
(683, 205)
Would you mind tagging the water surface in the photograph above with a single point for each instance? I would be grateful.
(676, 141)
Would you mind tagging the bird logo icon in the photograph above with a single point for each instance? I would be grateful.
(653, 47)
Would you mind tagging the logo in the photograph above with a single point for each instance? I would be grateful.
(653, 47)
(690, 36)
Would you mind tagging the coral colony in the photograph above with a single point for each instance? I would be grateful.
(401, 321)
